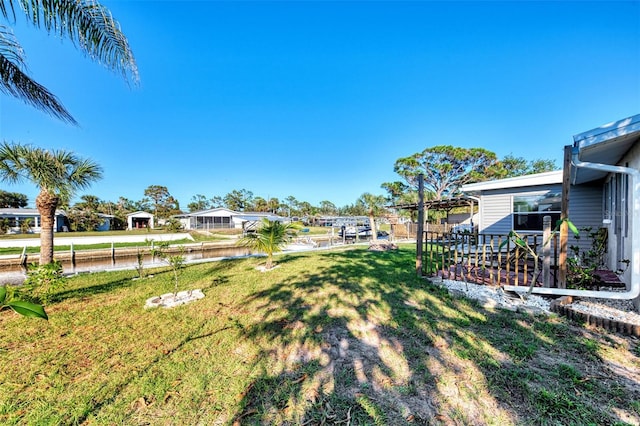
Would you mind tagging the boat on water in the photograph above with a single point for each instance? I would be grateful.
(351, 231)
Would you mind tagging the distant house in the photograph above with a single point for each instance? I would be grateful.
(107, 222)
(222, 218)
(139, 220)
(17, 217)
(218, 218)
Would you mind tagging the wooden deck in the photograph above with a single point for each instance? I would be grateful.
(495, 260)
(488, 259)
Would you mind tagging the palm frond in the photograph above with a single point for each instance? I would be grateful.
(11, 48)
(14, 82)
(270, 237)
(83, 173)
(90, 26)
(10, 164)
(4, 10)
(57, 172)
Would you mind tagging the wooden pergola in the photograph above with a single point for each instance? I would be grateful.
(441, 205)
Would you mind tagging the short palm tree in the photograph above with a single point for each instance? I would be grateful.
(270, 237)
(57, 174)
(86, 23)
(374, 205)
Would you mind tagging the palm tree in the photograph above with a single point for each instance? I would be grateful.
(270, 237)
(57, 174)
(86, 23)
(374, 205)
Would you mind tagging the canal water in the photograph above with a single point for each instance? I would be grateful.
(84, 261)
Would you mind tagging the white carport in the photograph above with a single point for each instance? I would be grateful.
(139, 220)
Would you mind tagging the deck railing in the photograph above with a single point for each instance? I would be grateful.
(493, 259)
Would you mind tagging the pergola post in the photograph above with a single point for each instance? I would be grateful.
(419, 236)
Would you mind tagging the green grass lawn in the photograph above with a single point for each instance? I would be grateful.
(346, 336)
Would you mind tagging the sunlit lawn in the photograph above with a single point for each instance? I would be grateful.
(329, 337)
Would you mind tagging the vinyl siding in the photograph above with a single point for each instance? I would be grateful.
(585, 210)
(497, 207)
(496, 214)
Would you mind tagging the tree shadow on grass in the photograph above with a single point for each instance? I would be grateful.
(216, 273)
(92, 290)
(365, 341)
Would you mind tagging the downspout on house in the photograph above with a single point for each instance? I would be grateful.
(610, 154)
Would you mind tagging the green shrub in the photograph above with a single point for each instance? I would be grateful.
(42, 281)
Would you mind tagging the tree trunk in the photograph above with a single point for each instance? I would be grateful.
(372, 224)
(46, 204)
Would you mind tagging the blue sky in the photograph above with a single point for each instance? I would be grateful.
(318, 99)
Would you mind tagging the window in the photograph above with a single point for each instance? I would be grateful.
(216, 222)
(528, 210)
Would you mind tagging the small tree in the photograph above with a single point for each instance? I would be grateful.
(140, 263)
(582, 266)
(270, 237)
(26, 225)
(4, 225)
(176, 261)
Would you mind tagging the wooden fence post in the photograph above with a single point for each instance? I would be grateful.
(420, 236)
(23, 257)
(73, 259)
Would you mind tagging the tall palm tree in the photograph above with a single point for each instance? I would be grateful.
(86, 23)
(57, 174)
(270, 237)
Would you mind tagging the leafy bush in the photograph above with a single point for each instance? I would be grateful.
(582, 266)
(42, 281)
(173, 225)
